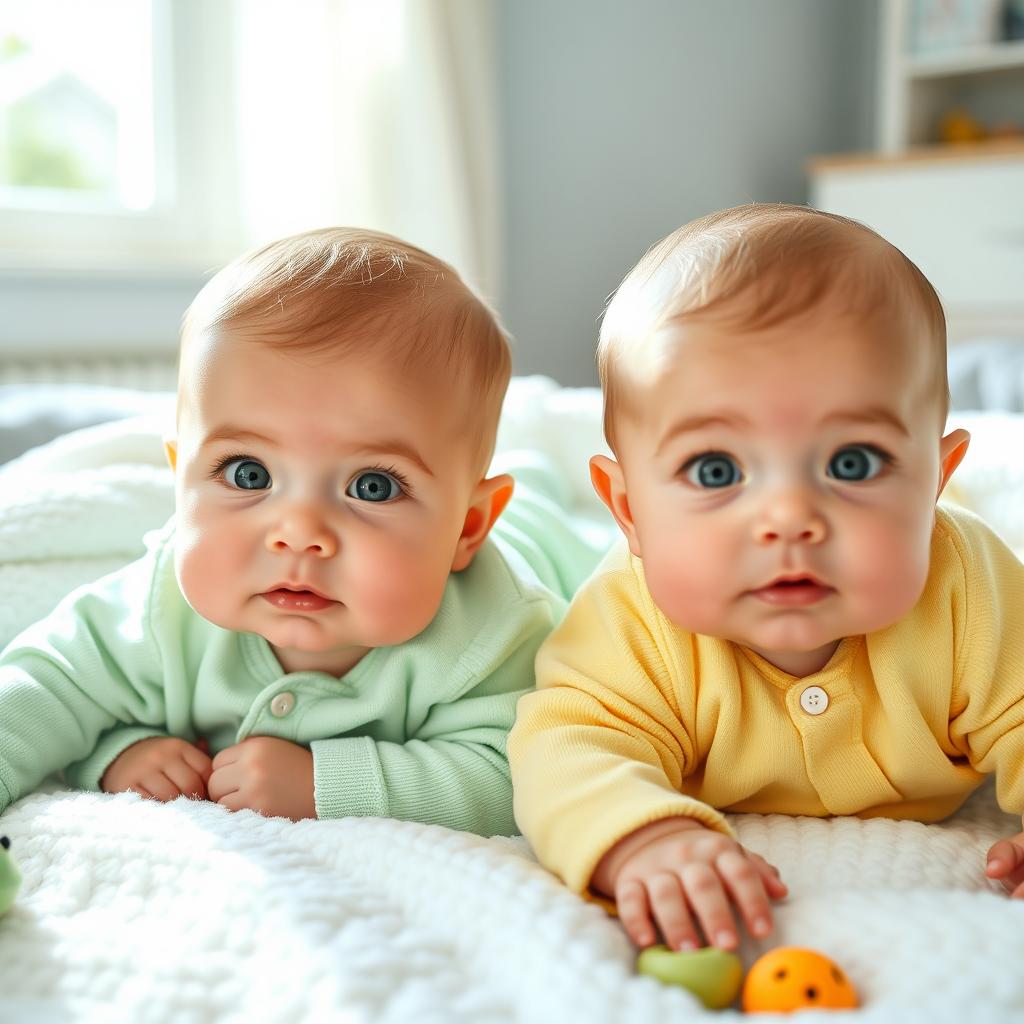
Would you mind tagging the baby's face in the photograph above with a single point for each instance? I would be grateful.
(782, 483)
(319, 501)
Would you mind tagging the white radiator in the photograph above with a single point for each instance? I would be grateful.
(147, 371)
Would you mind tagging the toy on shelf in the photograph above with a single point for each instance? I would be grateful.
(791, 978)
(10, 876)
(712, 975)
(958, 125)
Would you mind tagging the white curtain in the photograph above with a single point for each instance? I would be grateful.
(380, 113)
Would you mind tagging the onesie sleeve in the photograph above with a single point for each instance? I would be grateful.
(602, 747)
(987, 713)
(72, 683)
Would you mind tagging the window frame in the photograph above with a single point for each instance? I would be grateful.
(195, 220)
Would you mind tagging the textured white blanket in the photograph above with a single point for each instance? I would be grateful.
(186, 913)
(133, 911)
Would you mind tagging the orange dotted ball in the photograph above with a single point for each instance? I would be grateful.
(791, 978)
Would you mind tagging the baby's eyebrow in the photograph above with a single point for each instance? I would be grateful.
(396, 447)
(389, 446)
(871, 414)
(692, 423)
(228, 432)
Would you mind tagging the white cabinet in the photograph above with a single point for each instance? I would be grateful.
(961, 220)
(956, 210)
(917, 88)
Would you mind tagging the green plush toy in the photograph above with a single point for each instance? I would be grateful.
(10, 876)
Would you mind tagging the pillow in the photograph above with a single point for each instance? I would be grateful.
(33, 414)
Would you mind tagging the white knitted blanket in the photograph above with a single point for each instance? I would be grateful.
(134, 911)
(185, 913)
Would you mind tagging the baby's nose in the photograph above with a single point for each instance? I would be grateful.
(789, 518)
(303, 531)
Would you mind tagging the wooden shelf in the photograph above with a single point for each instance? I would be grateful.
(969, 61)
(996, 149)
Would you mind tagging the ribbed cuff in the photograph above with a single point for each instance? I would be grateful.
(347, 779)
(87, 773)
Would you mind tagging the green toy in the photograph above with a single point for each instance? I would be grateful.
(10, 876)
(713, 975)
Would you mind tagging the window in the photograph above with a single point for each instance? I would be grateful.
(107, 110)
(76, 109)
(160, 138)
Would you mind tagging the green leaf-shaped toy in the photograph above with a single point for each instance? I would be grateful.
(712, 975)
(10, 876)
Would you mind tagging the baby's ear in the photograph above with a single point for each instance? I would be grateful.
(487, 502)
(171, 451)
(952, 449)
(608, 480)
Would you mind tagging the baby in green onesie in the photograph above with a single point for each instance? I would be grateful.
(332, 624)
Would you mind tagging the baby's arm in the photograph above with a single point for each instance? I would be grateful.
(986, 719)
(84, 681)
(452, 772)
(677, 873)
(600, 754)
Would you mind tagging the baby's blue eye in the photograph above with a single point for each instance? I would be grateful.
(714, 470)
(855, 463)
(247, 474)
(374, 486)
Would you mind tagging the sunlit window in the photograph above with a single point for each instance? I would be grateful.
(77, 104)
(162, 137)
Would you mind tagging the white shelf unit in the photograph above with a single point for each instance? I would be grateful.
(917, 88)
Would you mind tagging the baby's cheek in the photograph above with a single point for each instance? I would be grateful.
(686, 589)
(396, 591)
(207, 564)
(890, 569)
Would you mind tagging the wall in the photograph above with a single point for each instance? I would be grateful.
(621, 121)
(92, 314)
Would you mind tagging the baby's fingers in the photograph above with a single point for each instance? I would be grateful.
(188, 782)
(773, 883)
(746, 885)
(710, 905)
(634, 912)
(1006, 862)
(199, 761)
(668, 904)
(159, 787)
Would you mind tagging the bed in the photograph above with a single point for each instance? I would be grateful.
(186, 913)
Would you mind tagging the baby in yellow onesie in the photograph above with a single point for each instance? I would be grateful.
(792, 625)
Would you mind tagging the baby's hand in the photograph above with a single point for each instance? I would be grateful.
(262, 773)
(1006, 862)
(161, 768)
(672, 871)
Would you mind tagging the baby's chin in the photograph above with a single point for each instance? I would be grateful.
(303, 633)
(310, 636)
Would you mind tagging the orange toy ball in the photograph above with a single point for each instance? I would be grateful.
(790, 978)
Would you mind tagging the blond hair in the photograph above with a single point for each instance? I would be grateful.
(342, 291)
(781, 261)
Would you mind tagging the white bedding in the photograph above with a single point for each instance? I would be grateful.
(134, 911)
